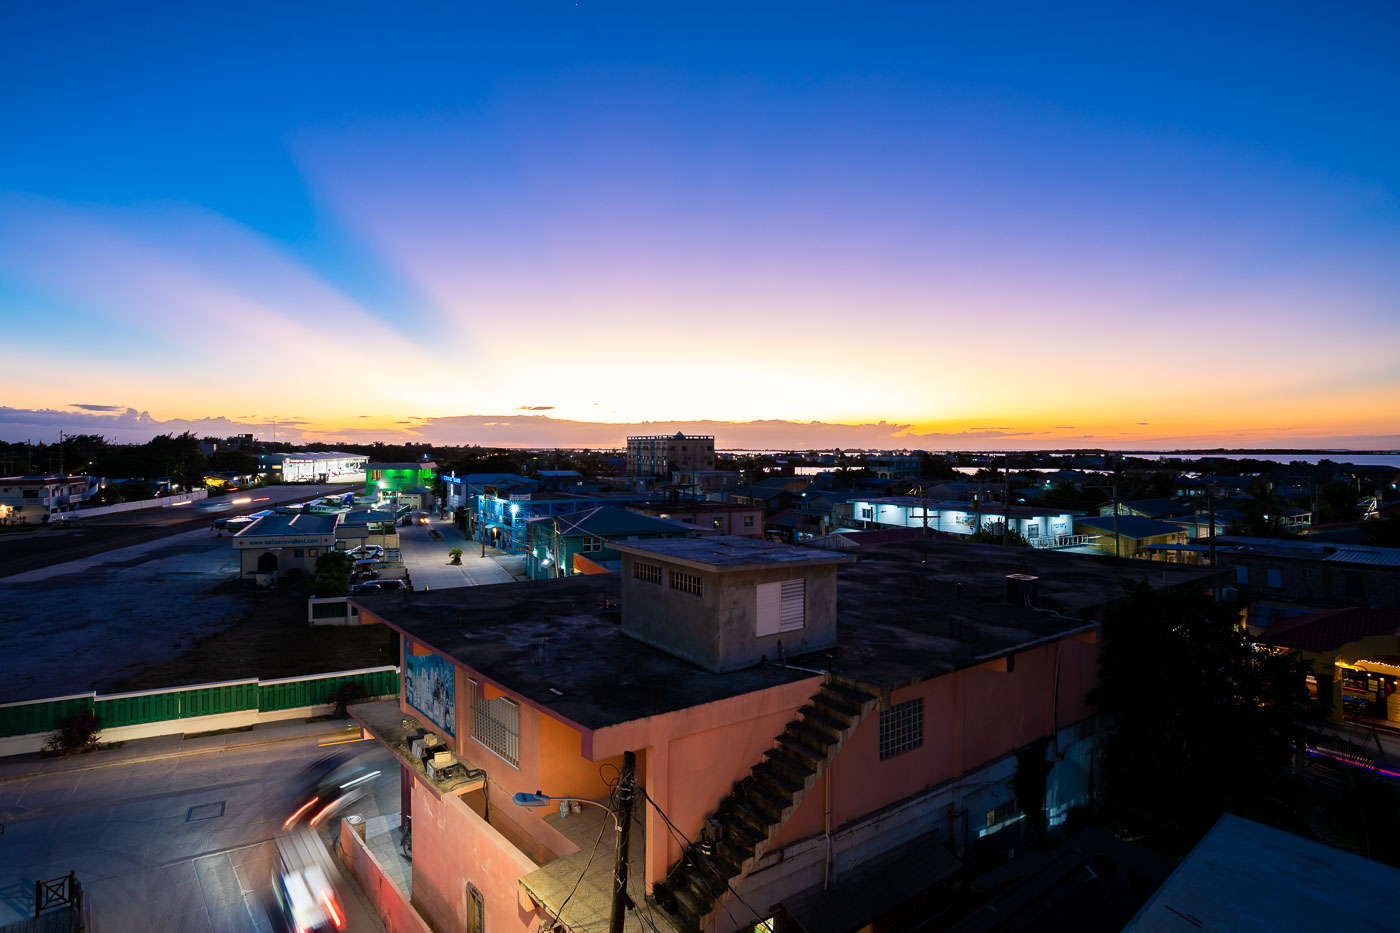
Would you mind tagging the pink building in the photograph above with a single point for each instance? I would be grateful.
(805, 726)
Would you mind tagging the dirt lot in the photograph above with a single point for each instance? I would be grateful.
(271, 639)
(159, 614)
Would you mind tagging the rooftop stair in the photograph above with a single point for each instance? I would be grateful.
(748, 821)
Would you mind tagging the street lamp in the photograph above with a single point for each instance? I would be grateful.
(622, 817)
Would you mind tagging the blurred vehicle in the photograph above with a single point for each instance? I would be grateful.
(305, 891)
(373, 586)
(329, 784)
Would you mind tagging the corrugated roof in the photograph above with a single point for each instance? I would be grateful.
(1129, 526)
(1327, 631)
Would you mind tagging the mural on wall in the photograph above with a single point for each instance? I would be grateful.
(430, 687)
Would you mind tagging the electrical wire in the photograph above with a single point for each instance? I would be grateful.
(586, 865)
(703, 859)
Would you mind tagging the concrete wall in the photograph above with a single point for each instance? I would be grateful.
(161, 502)
(951, 813)
(971, 717)
(454, 847)
(29, 744)
(391, 904)
(718, 629)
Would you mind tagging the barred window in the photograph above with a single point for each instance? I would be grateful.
(901, 728)
(685, 582)
(496, 724)
(647, 572)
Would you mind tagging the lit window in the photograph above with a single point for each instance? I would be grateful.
(901, 728)
(685, 582)
(748, 521)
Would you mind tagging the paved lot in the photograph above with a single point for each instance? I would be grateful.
(47, 546)
(426, 558)
(85, 622)
(177, 844)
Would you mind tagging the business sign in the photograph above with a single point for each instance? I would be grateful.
(268, 541)
(430, 686)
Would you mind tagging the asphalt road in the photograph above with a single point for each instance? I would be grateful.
(176, 844)
(20, 553)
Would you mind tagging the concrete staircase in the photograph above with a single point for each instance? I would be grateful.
(749, 819)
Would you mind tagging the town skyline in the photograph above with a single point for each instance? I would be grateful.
(553, 228)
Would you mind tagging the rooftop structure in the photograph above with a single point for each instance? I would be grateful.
(1247, 877)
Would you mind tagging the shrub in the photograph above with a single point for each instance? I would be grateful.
(455, 554)
(344, 695)
(76, 733)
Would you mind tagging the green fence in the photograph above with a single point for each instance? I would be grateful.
(130, 709)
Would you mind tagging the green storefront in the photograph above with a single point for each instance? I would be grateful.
(395, 478)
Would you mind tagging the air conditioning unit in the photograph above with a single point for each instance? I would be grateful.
(422, 747)
(440, 763)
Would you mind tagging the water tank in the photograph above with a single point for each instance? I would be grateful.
(1022, 589)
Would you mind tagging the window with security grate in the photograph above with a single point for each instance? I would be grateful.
(649, 573)
(496, 724)
(685, 582)
(901, 728)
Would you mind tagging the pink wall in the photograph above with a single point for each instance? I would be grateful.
(388, 901)
(971, 717)
(454, 847)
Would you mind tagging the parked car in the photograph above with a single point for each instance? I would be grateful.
(372, 586)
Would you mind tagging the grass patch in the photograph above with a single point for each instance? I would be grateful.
(437, 535)
(268, 638)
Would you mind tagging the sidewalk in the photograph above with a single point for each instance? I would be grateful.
(18, 767)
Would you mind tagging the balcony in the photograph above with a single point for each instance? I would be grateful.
(587, 874)
(386, 722)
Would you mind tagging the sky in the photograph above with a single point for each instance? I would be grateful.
(790, 225)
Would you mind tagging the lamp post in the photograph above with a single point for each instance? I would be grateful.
(622, 816)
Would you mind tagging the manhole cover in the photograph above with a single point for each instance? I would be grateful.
(205, 811)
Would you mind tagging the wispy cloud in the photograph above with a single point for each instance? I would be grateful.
(89, 407)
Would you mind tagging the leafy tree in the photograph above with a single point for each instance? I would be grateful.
(332, 574)
(1337, 503)
(1202, 721)
(1065, 496)
(1383, 533)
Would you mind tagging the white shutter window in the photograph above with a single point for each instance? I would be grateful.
(781, 607)
(792, 612)
(769, 604)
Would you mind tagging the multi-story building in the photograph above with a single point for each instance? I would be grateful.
(796, 717)
(745, 521)
(33, 499)
(661, 455)
(894, 466)
(1041, 526)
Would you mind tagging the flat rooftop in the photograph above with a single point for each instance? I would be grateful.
(1244, 876)
(303, 523)
(729, 552)
(900, 620)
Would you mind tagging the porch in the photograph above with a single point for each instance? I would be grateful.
(582, 883)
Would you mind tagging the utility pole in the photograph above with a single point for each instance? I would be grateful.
(626, 787)
(60, 454)
(1210, 507)
(1006, 500)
